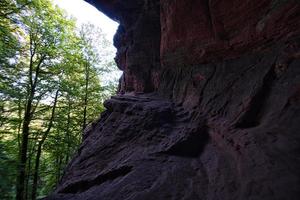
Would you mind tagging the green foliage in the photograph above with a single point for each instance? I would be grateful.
(7, 161)
(43, 54)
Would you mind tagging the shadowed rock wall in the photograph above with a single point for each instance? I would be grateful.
(208, 105)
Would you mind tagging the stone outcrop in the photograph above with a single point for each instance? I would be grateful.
(208, 105)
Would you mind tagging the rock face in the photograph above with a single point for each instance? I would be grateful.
(208, 105)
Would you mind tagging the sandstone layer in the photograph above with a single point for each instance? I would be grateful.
(208, 106)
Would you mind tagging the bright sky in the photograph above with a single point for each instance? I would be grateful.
(85, 12)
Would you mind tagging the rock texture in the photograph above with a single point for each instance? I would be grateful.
(208, 105)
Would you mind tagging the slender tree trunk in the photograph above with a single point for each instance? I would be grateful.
(68, 131)
(28, 175)
(20, 121)
(36, 171)
(39, 149)
(20, 186)
(23, 150)
(59, 162)
(2, 117)
(87, 74)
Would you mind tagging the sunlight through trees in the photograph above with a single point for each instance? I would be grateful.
(50, 90)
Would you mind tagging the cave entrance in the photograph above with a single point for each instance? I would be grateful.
(104, 29)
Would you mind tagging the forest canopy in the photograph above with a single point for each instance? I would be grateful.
(50, 91)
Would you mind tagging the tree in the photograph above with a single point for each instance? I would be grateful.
(50, 90)
(40, 145)
(47, 30)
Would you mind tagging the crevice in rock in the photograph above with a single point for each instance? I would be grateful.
(253, 115)
(206, 83)
(84, 185)
(209, 15)
(192, 146)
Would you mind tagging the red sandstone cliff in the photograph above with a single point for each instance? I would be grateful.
(216, 113)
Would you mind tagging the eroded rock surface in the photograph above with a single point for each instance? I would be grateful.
(208, 106)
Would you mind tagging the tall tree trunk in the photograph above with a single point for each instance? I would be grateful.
(59, 162)
(20, 186)
(20, 121)
(68, 131)
(87, 74)
(39, 149)
(36, 171)
(23, 151)
(2, 112)
(32, 147)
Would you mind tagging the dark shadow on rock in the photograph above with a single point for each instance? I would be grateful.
(191, 145)
(84, 185)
